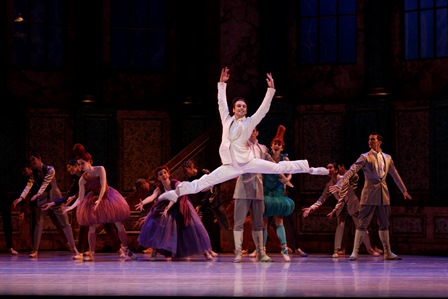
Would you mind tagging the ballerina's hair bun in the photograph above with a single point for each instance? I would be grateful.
(78, 150)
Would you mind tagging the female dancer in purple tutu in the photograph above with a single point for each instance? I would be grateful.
(172, 228)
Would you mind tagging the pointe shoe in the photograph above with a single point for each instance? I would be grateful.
(208, 256)
(373, 252)
(353, 257)
(33, 254)
(120, 252)
(88, 257)
(77, 257)
(253, 254)
(264, 259)
(238, 257)
(147, 251)
(391, 257)
(132, 255)
(125, 253)
(213, 254)
(301, 253)
(341, 252)
(378, 250)
(285, 255)
(12, 251)
(335, 255)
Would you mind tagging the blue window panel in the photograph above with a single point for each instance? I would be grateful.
(308, 46)
(426, 34)
(138, 49)
(426, 4)
(347, 7)
(20, 49)
(327, 7)
(38, 57)
(328, 40)
(119, 13)
(442, 33)
(157, 14)
(39, 42)
(411, 35)
(308, 8)
(327, 31)
(410, 4)
(38, 12)
(55, 47)
(347, 39)
(157, 51)
(139, 17)
(144, 32)
(55, 11)
(119, 50)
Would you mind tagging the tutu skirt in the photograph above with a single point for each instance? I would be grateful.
(112, 208)
(180, 234)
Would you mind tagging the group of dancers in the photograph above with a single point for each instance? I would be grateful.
(172, 227)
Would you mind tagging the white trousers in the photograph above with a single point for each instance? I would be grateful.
(229, 171)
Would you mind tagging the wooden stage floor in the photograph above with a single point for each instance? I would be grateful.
(318, 275)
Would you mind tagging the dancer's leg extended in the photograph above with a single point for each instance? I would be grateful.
(295, 166)
(219, 175)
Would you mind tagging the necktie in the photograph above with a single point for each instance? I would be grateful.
(380, 164)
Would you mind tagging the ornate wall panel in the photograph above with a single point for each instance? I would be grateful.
(144, 145)
(441, 226)
(320, 140)
(50, 133)
(319, 224)
(408, 225)
(411, 144)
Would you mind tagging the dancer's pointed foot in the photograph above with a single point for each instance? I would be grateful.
(373, 252)
(208, 256)
(301, 253)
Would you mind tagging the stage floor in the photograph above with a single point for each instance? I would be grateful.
(318, 275)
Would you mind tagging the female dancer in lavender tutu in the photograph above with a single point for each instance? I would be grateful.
(173, 229)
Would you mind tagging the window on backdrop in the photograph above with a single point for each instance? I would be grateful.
(138, 34)
(327, 31)
(39, 34)
(425, 28)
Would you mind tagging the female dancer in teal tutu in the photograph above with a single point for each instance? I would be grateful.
(276, 203)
